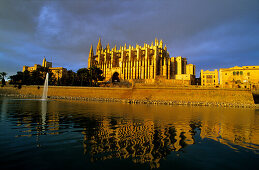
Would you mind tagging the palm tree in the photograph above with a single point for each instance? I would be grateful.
(3, 74)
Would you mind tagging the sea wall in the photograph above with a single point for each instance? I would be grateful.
(177, 95)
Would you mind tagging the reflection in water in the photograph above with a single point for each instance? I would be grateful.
(140, 133)
(43, 113)
(142, 142)
(3, 109)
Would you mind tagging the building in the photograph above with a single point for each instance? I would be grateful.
(32, 68)
(186, 74)
(58, 72)
(150, 62)
(209, 78)
(240, 77)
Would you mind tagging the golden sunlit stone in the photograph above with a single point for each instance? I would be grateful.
(244, 77)
(58, 72)
(209, 78)
(146, 64)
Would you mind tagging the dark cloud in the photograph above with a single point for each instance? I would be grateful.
(211, 34)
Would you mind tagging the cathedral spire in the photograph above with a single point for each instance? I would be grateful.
(156, 42)
(91, 49)
(165, 48)
(108, 47)
(90, 57)
(161, 44)
(99, 46)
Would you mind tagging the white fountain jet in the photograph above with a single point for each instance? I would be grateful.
(45, 89)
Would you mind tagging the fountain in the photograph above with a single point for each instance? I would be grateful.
(44, 102)
(45, 89)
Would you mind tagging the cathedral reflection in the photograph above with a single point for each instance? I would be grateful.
(145, 142)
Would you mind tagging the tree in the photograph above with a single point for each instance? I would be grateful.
(89, 76)
(36, 77)
(16, 79)
(83, 75)
(95, 75)
(69, 79)
(3, 74)
(26, 77)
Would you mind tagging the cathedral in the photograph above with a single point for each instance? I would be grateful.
(148, 62)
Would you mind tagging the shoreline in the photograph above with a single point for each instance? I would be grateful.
(146, 95)
(132, 101)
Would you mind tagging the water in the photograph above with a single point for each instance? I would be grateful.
(88, 135)
(45, 89)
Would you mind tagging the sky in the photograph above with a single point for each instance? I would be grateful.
(211, 34)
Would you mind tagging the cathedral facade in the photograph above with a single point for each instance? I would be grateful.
(149, 62)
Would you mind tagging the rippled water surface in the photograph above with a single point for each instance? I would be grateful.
(37, 134)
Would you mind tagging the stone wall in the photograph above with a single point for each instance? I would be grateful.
(166, 95)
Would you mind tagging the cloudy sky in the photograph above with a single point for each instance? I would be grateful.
(212, 34)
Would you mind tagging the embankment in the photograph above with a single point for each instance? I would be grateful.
(177, 95)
